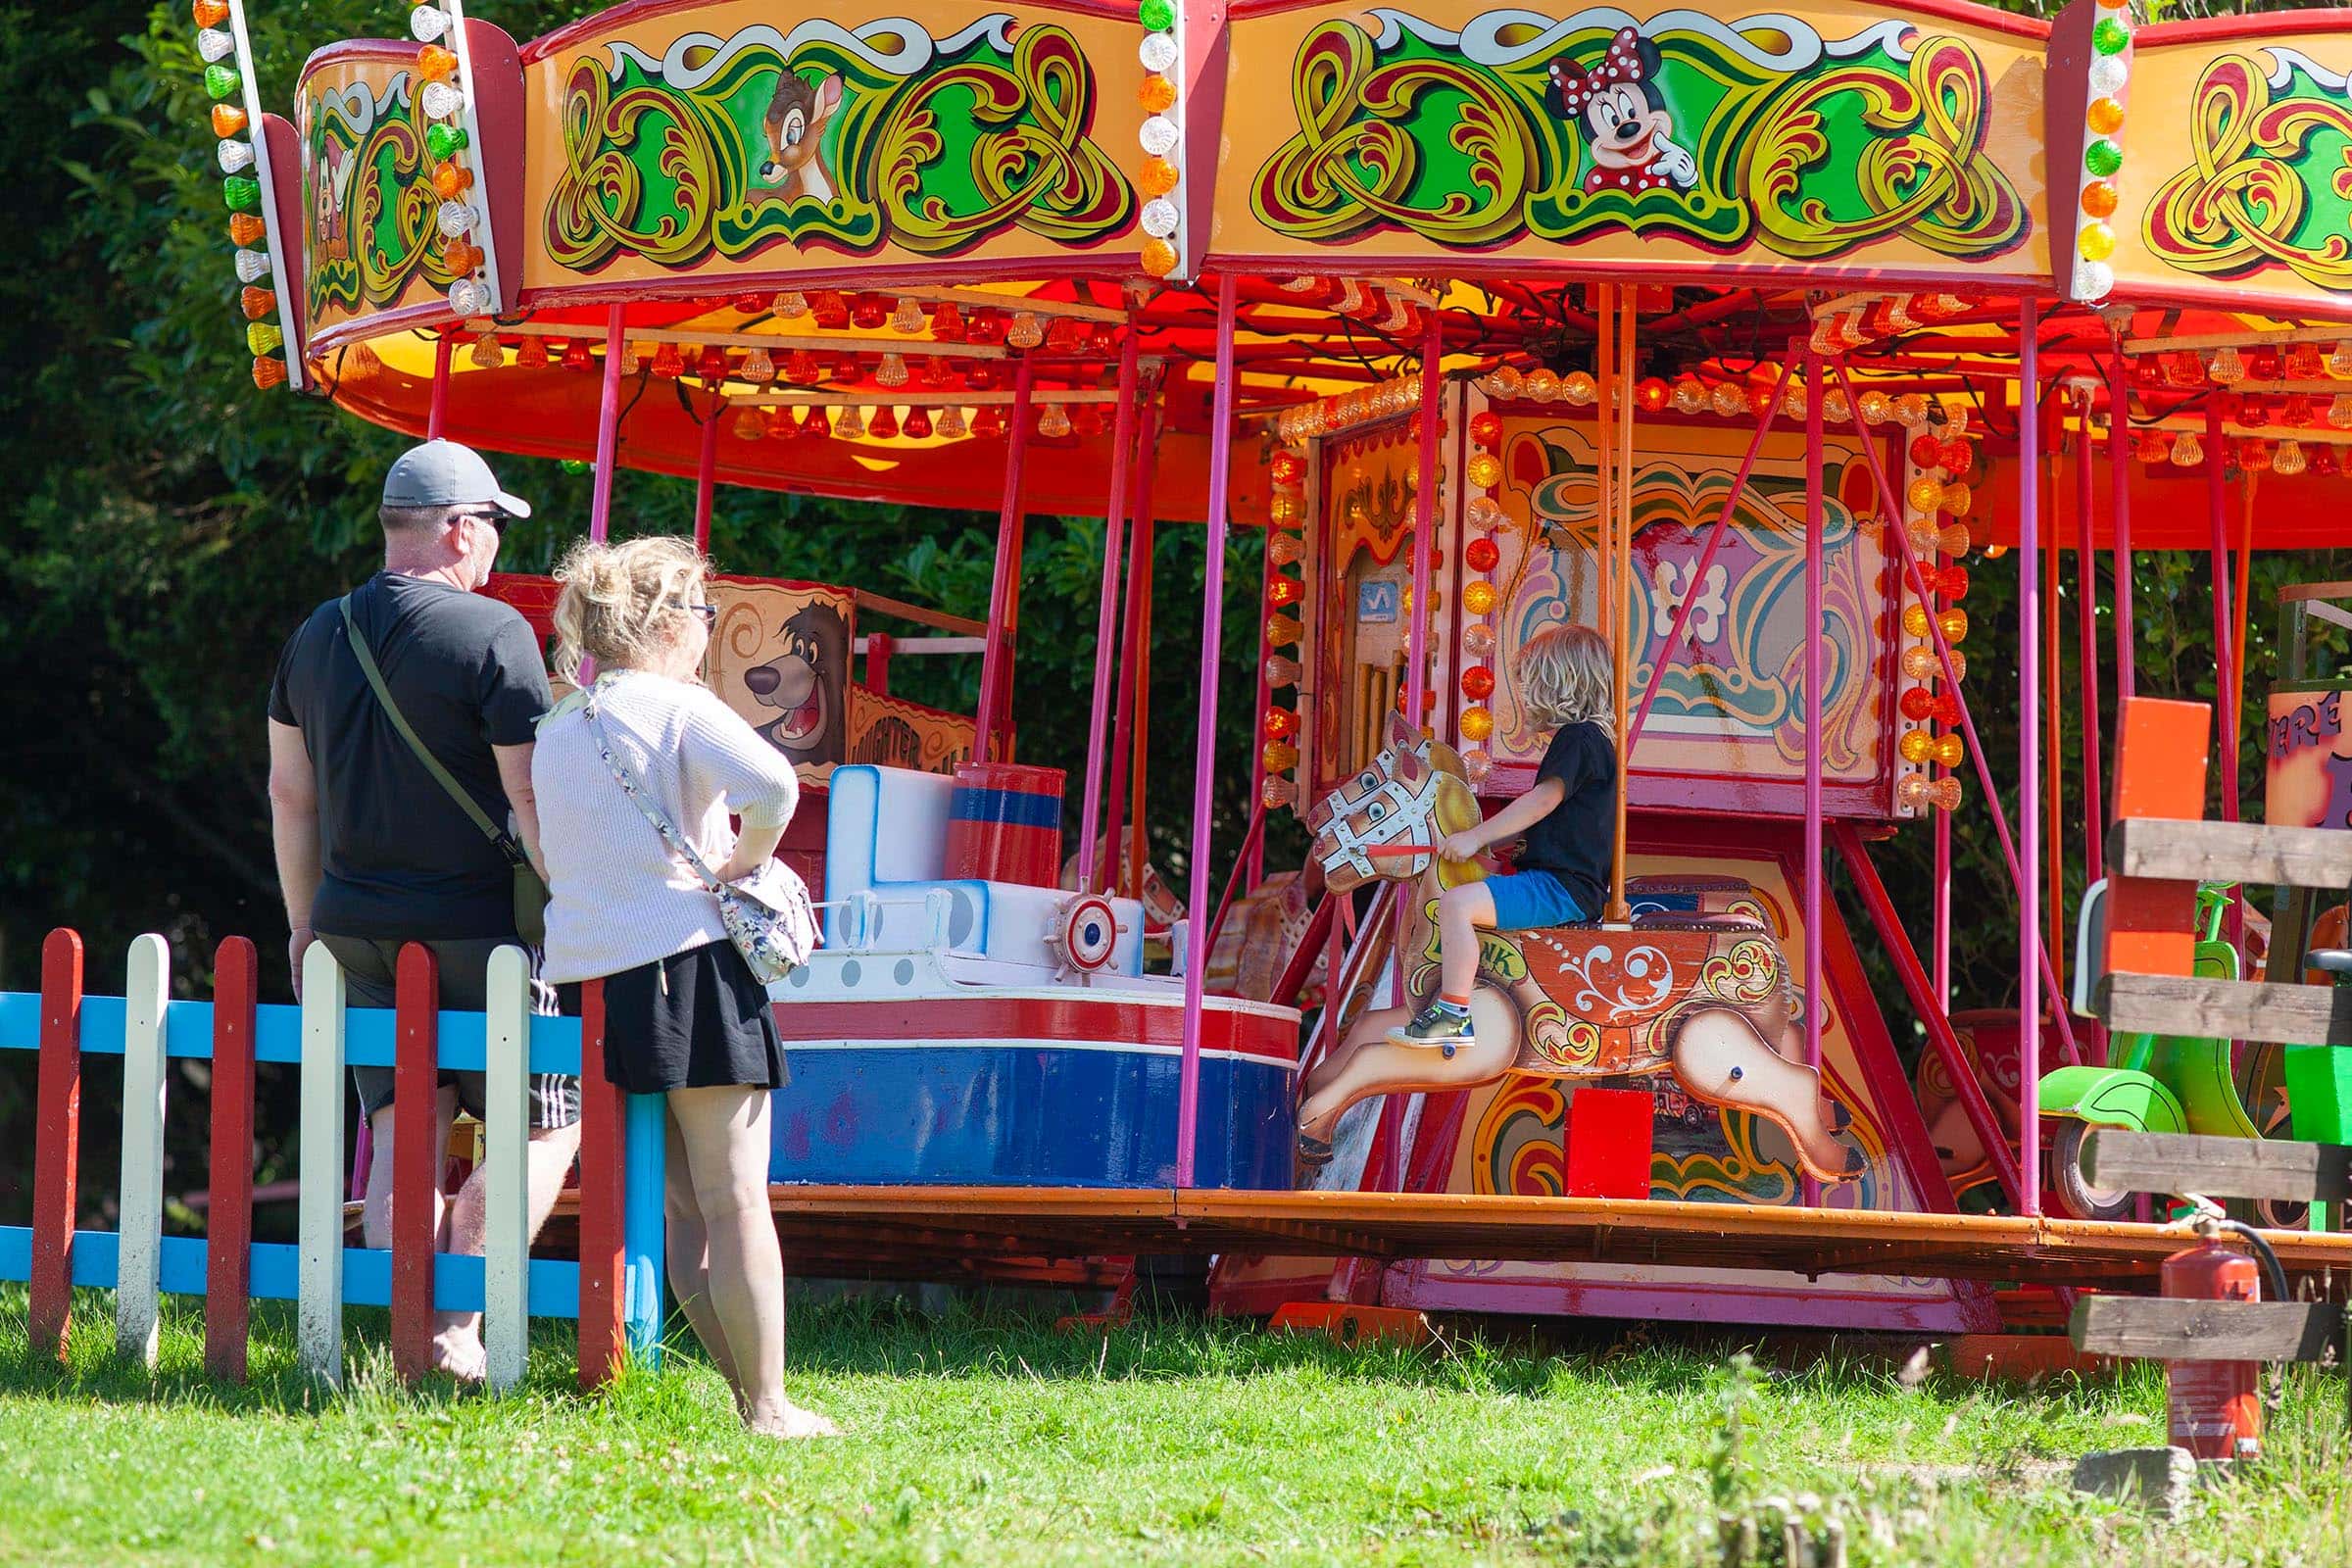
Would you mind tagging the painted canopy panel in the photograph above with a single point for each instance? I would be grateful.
(1826, 139)
(2236, 173)
(725, 141)
(368, 241)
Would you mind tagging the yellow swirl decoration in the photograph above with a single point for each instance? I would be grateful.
(390, 169)
(599, 207)
(1353, 162)
(2246, 200)
(1517, 1142)
(1749, 975)
(1921, 172)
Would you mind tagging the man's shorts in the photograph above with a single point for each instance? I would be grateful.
(369, 966)
(1527, 900)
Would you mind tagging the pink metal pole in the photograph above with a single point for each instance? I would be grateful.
(1943, 906)
(2225, 707)
(2029, 758)
(1816, 633)
(996, 684)
(1204, 737)
(1106, 615)
(2086, 613)
(607, 430)
(2119, 480)
(1135, 658)
(437, 417)
(706, 473)
(1968, 725)
(1416, 643)
(1707, 558)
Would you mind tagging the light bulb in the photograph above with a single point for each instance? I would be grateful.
(2290, 457)
(468, 296)
(1729, 399)
(1026, 331)
(486, 352)
(235, 157)
(1159, 135)
(1911, 410)
(254, 266)
(1285, 548)
(441, 100)
(1277, 792)
(2094, 280)
(1054, 421)
(1160, 217)
(1485, 512)
(1505, 381)
(1580, 389)
(454, 218)
(427, 22)
(850, 425)
(1281, 672)
(2108, 74)
(757, 368)
(1478, 639)
(1283, 631)
(2188, 451)
(1921, 664)
(952, 426)
(891, 371)
(908, 318)
(213, 44)
(2228, 366)
(1158, 52)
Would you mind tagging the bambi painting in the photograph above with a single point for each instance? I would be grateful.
(797, 114)
(1704, 996)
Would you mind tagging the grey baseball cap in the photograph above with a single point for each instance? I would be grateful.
(443, 473)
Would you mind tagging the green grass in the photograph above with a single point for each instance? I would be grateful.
(986, 1437)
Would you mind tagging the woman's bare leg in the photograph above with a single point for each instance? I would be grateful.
(726, 1134)
(689, 1255)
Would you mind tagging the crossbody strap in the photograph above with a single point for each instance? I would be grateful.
(635, 791)
(441, 775)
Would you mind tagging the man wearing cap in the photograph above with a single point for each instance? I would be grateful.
(373, 852)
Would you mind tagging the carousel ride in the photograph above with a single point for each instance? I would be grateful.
(1744, 339)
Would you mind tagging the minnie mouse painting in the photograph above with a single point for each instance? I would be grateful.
(1620, 110)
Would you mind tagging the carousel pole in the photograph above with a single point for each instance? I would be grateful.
(1005, 591)
(608, 430)
(705, 472)
(1816, 388)
(1621, 585)
(1941, 905)
(2086, 610)
(1135, 665)
(2224, 706)
(1416, 637)
(2054, 733)
(437, 417)
(1106, 615)
(1204, 737)
(2029, 742)
(2119, 481)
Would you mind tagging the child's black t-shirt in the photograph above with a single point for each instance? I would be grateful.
(1575, 840)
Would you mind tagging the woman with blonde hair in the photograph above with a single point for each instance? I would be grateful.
(685, 1016)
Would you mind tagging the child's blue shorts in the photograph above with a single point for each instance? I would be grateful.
(1526, 900)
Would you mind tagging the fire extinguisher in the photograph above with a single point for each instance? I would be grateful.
(2213, 1407)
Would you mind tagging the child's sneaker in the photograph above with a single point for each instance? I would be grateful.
(1440, 1025)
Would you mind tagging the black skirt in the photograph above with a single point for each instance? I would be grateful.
(696, 1019)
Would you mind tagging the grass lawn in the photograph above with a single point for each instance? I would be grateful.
(987, 1438)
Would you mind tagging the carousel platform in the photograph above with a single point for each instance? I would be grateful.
(1055, 1233)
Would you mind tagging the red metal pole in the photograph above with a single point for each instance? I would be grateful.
(604, 1187)
(1707, 558)
(1942, 902)
(706, 473)
(2225, 707)
(1968, 725)
(415, 1161)
(1106, 616)
(1004, 593)
(56, 1147)
(436, 416)
(1816, 384)
(1204, 736)
(2029, 763)
(229, 1214)
(2086, 610)
(607, 430)
(2119, 481)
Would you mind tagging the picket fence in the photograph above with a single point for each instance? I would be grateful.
(614, 1291)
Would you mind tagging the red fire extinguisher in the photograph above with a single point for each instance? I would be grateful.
(2213, 1407)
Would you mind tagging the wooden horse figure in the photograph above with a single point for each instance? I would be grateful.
(1702, 992)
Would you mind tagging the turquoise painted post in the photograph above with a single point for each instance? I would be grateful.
(640, 1227)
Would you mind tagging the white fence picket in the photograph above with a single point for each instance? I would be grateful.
(318, 1226)
(138, 1277)
(507, 1241)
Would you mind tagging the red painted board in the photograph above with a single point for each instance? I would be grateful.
(415, 1156)
(2161, 750)
(604, 1332)
(57, 1146)
(229, 1220)
(1609, 1143)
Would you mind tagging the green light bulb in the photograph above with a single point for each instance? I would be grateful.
(242, 192)
(1157, 14)
(442, 140)
(2111, 36)
(2102, 158)
(222, 81)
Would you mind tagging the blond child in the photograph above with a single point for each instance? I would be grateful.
(1568, 815)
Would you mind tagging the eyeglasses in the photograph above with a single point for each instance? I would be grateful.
(709, 612)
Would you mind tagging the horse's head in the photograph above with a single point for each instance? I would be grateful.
(1409, 796)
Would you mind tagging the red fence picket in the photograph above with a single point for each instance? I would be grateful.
(604, 1184)
(229, 1218)
(57, 1146)
(416, 1159)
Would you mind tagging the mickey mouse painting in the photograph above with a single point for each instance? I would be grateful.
(1620, 110)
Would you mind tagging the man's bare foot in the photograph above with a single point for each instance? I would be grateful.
(460, 1354)
(785, 1419)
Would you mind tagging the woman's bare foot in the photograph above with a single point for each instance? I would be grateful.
(785, 1419)
(460, 1354)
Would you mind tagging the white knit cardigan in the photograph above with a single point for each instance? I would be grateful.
(617, 897)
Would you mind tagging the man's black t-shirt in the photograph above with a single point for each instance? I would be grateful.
(1574, 840)
(401, 860)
